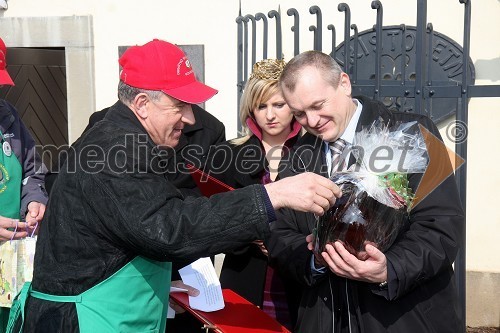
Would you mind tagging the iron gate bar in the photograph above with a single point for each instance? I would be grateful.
(295, 29)
(332, 28)
(428, 104)
(366, 87)
(271, 14)
(378, 35)
(318, 36)
(403, 55)
(343, 7)
(420, 49)
(431, 92)
(461, 173)
(430, 30)
(245, 47)
(261, 16)
(254, 38)
(483, 91)
(355, 57)
(239, 73)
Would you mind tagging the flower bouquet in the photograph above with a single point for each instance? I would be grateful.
(376, 196)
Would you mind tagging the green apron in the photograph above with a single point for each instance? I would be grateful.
(11, 174)
(134, 299)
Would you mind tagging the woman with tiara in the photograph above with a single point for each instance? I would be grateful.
(269, 130)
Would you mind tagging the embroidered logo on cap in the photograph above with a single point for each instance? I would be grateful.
(2, 57)
(188, 68)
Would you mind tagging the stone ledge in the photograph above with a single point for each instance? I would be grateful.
(483, 307)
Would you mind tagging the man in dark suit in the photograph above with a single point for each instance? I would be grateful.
(408, 288)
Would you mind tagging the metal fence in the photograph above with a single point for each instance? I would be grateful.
(412, 69)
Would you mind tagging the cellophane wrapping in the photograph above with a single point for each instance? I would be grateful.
(376, 196)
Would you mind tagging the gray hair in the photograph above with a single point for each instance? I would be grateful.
(327, 65)
(126, 93)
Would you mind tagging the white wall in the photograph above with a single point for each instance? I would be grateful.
(212, 23)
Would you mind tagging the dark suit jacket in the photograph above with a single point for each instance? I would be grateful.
(421, 294)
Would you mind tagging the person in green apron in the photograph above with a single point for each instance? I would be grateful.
(22, 196)
(10, 203)
(115, 222)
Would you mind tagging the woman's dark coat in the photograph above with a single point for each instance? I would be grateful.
(244, 269)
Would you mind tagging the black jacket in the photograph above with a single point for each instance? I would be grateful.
(103, 214)
(244, 268)
(420, 296)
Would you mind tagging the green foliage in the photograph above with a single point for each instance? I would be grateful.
(398, 183)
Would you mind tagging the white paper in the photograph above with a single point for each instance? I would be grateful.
(171, 312)
(201, 275)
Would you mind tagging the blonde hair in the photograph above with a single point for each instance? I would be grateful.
(260, 87)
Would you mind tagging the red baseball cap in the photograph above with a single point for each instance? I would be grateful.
(160, 65)
(5, 78)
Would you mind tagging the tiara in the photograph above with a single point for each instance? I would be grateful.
(268, 69)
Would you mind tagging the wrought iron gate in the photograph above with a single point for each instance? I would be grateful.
(412, 69)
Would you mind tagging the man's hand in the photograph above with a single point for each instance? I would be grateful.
(261, 246)
(306, 192)
(318, 259)
(12, 229)
(190, 291)
(341, 262)
(35, 213)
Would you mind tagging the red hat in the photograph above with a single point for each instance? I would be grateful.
(159, 65)
(4, 75)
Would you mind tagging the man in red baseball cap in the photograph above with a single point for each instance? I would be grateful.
(160, 65)
(164, 75)
(115, 222)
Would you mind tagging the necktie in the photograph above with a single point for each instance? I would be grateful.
(338, 160)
